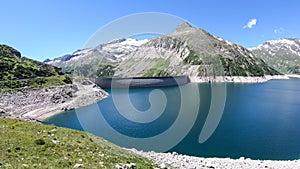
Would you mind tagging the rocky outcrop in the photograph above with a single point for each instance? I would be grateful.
(40, 104)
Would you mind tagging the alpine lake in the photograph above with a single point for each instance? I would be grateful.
(259, 121)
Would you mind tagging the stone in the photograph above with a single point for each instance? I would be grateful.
(25, 165)
(86, 82)
(163, 166)
(2, 111)
(75, 88)
(101, 154)
(56, 98)
(78, 166)
(67, 108)
(118, 166)
(55, 141)
(133, 165)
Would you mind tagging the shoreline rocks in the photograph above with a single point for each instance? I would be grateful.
(175, 160)
(39, 104)
(293, 76)
(237, 79)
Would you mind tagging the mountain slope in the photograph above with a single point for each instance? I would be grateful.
(98, 61)
(187, 51)
(282, 54)
(17, 71)
(194, 52)
(13, 66)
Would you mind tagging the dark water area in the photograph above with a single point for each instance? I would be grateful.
(260, 121)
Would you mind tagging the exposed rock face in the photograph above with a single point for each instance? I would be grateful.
(43, 103)
(282, 54)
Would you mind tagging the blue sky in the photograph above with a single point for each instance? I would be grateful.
(43, 29)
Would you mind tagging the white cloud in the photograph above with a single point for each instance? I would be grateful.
(279, 31)
(251, 23)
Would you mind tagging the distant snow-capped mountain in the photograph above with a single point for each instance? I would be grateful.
(84, 60)
(281, 54)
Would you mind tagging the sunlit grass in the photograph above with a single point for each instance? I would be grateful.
(32, 145)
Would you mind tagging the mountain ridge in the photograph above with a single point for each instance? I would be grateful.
(86, 62)
(193, 52)
(187, 51)
(283, 54)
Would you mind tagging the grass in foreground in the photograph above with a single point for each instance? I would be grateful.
(32, 145)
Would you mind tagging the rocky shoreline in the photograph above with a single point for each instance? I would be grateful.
(39, 104)
(293, 76)
(237, 79)
(175, 160)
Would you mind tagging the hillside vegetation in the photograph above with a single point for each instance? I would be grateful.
(32, 145)
(17, 72)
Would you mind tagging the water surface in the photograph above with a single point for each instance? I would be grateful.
(260, 121)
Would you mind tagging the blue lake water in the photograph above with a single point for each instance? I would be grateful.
(260, 121)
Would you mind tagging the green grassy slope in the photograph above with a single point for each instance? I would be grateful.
(18, 72)
(31, 145)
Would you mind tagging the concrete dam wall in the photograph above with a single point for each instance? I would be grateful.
(141, 82)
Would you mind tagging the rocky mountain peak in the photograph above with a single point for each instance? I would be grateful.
(183, 27)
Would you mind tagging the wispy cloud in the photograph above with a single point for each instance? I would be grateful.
(251, 23)
(279, 31)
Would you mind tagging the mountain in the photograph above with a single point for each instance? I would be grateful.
(281, 54)
(17, 71)
(98, 61)
(194, 52)
(187, 51)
